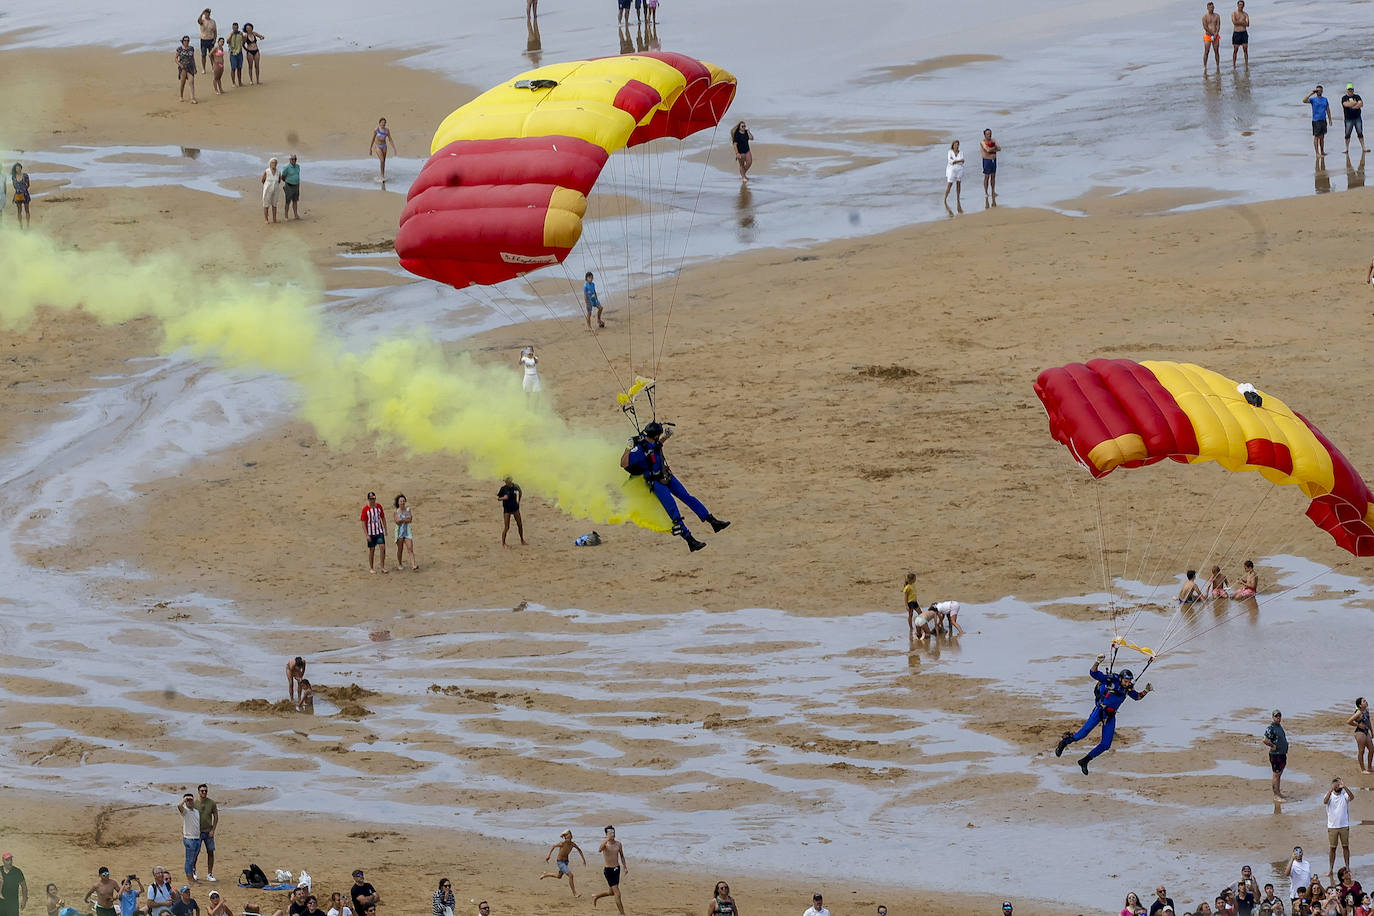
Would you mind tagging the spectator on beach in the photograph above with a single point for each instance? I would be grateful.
(1188, 592)
(208, 809)
(252, 909)
(185, 905)
(55, 902)
(312, 903)
(337, 907)
(1348, 886)
(1131, 905)
(404, 538)
(1247, 892)
(947, 613)
(217, 66)
(1218, 586)
(1006, 908)
(306, 703)
(1364, 744)
(251, 37)
(564, 847)
(1162, 899)
(1272, 903)
(510, 494)
(130, 890)
(299, 894)
(236, 39)
(1299, 875)
(722, 904)
(19, 186)
(1211, 35)
(374, 530)
(363, 894)
(443, 898)
(530, 363)
(740, 137)
(592, 300)
(1240, 33)
(1321, 119)
(652, 15)
(271, 190)
(208, 33)
(623, 12)
(381, 141)
(1337, 801)
(160, 892)
(291, 186)
(989, 149)
(217, 906)
(613, 858)
(913, 604)
(186, 68)
(1276, 739)
(190, 835)
(104, 893)
(484, 909)
(295, 672)
(1249, 582)
(1352, 106)
(954, 175)
(817, 907)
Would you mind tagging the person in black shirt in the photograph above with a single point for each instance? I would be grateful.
(1352, 106)
(298, 897)
(363, 894)
(509, 494)
(184, 905)
(1160, 902)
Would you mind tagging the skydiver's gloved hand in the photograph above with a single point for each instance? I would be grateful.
(1101, 657)
(1149, 688)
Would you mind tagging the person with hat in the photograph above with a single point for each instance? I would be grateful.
(14, 890)
(103, 893)
(185, 904)
(1352, 106)
(374, 531)
(564, 847)
(364, 894)
(817, 907)
(1006, 908)
(643, 457)
(217, 906)
(1110, 692)
(1277, 741)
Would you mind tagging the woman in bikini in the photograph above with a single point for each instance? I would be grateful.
(217, 65)
(381, 139)
(250, 49)
(1364, 746)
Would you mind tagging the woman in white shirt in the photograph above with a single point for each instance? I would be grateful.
(954, 175)
(530, 362)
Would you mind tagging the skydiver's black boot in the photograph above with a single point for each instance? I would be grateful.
(692, 543)
(1063, 743)
(717, 524)
(1083, 765)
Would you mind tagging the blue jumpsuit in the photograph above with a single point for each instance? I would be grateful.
(1110, 697)
(646, 460)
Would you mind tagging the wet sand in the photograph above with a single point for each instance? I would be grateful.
(854, 416)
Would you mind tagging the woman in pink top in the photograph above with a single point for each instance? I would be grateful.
(1131, 905)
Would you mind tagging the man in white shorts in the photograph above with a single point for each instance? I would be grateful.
(948, 612)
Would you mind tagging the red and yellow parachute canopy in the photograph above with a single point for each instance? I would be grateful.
(506, 186)
(1114, 413)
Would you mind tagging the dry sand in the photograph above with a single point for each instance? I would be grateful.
(857, 409)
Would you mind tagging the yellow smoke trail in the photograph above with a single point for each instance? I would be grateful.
(403, 392)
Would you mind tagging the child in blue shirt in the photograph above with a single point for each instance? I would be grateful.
(589, 293)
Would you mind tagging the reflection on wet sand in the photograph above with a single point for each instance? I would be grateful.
(1321, 177)
(1354, 174)
(534, 47)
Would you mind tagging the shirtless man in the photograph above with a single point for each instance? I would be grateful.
(1240, 34)
(209, 31)
(105, 891)
(989, 149)
(1249, 582)
(564, 848)
(295, 673)
(613, 858)
(1211, 35)
(1189, 592)
(1217, 584)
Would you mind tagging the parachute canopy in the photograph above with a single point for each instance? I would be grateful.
(506, 186)
(1113, 413)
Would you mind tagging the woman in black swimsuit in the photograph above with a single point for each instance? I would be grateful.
(740, 136)
(1364, 744)
(250, 50)
(722, 904)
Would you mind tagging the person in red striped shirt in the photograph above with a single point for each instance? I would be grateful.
(374, 529)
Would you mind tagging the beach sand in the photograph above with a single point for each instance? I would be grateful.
(857, 409)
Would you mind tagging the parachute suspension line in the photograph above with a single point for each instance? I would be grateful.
(691, 222)
(1145, 555)
(1102, 553)
(565, 318)
(1231, 552)
(1187, 546)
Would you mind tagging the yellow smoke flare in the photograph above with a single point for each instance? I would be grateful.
(404, 392)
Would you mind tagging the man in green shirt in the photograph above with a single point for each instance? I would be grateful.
(236, 39)
(209, 820)
(291, 185)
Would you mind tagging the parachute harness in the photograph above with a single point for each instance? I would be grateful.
(626, 399)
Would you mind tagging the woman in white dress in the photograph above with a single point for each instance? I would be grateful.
(954, 174)
(271, 190)
(530, 363)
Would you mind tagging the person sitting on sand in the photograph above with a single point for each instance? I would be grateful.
(1217, 584)
(564, 847)
(1189, 591)
(1249, 582)
(1110, 692)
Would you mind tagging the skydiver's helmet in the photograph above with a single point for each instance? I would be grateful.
(653, 429)
(1126, 675)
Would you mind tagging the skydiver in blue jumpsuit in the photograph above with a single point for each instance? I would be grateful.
(644, 458)
(1110, 692)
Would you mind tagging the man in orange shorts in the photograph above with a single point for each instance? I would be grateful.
(1211, 35)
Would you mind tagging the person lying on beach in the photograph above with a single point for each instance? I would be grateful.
(564, 847)
(1217, 584)
(1189, 591)
(1249, 582)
